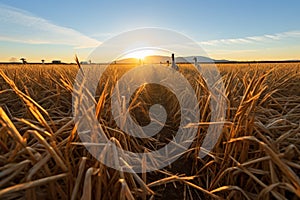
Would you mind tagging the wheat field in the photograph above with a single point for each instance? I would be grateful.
(256, 157)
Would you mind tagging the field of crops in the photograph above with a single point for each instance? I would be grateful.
(256, 157)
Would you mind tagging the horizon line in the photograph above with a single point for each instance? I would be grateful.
(223, 61)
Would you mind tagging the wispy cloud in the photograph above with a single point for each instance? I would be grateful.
(20, 26)
(253, 39)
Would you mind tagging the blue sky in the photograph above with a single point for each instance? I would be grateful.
(225, 29)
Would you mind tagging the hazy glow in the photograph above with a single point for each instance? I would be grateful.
(141, 54)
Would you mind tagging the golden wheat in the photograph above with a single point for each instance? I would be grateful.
(257, 156)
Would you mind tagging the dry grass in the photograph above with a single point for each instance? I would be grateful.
(257, 157)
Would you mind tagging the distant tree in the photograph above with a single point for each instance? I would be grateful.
(43, 61)
(168, 63)
(23, 60)
(56, 61)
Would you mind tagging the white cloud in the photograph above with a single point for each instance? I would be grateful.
(253, 39)
(21, 26)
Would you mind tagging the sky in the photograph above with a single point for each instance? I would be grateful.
(225, 29)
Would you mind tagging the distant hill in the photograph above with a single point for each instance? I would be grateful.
(164, 59)
(199, 59)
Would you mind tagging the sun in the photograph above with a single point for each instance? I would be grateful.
(140, 54)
